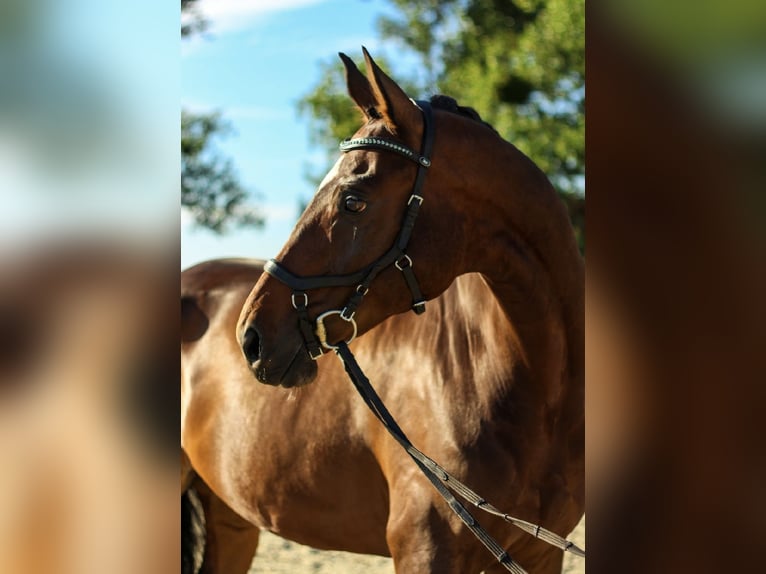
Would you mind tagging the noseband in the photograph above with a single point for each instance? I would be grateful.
(397, 256)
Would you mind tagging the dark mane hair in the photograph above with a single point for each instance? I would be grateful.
(448, 104)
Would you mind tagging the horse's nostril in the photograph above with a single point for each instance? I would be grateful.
(251, 345)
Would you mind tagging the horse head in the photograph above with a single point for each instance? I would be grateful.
(364, 249)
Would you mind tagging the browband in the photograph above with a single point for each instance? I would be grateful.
(366, 143)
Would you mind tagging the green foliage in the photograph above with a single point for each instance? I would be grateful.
(210, 190)
(331, 113)
(519, 63)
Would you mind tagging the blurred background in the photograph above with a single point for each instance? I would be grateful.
(88, 98)
(89, 256)
(675, 313)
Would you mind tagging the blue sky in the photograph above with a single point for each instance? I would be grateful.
(259, 58)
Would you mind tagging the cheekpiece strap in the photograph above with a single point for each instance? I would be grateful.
(305, 326)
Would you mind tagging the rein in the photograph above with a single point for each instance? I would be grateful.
(316, 341)
(443, 481)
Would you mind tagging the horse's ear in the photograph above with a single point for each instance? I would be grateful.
(359, 89)
(396, 108)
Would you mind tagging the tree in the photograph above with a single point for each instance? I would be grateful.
(519, 63)
(210, 189)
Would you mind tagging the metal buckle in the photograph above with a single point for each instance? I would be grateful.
(305, 300)
(315, 357)
(405, 258)
(321, 332)
(417, 197)
(361, 291)
(345, 316)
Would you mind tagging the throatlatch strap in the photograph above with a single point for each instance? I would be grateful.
(418, 301)
(408, 224)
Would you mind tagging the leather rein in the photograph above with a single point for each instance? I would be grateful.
(442, 481)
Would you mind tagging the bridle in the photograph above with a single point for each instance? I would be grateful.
(316, 339)
(442, 481)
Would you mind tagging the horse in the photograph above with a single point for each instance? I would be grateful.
(488, 381)
(212, 295)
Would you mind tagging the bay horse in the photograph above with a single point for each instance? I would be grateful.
(488, 382)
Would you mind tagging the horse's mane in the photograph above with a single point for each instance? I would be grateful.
(448, 104)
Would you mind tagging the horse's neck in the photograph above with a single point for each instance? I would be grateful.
(544, 310)
(523, 337)
(533, 269)
(545, 340)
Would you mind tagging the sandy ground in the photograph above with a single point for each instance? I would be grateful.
(279, 556)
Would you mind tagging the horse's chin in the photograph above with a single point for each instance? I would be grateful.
(299, 370)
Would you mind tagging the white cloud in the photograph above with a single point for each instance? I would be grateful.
(228, 15)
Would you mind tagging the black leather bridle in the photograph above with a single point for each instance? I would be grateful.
(396, 255)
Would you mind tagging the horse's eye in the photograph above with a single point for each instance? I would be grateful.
(354, 204)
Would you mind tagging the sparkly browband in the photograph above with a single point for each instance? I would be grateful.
(380, 143)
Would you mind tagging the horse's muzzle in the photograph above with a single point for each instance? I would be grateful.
(292, 368)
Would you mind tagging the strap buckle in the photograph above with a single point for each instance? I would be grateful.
(305, 300)
(350, 309)
(313, 356)
(406, 259)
